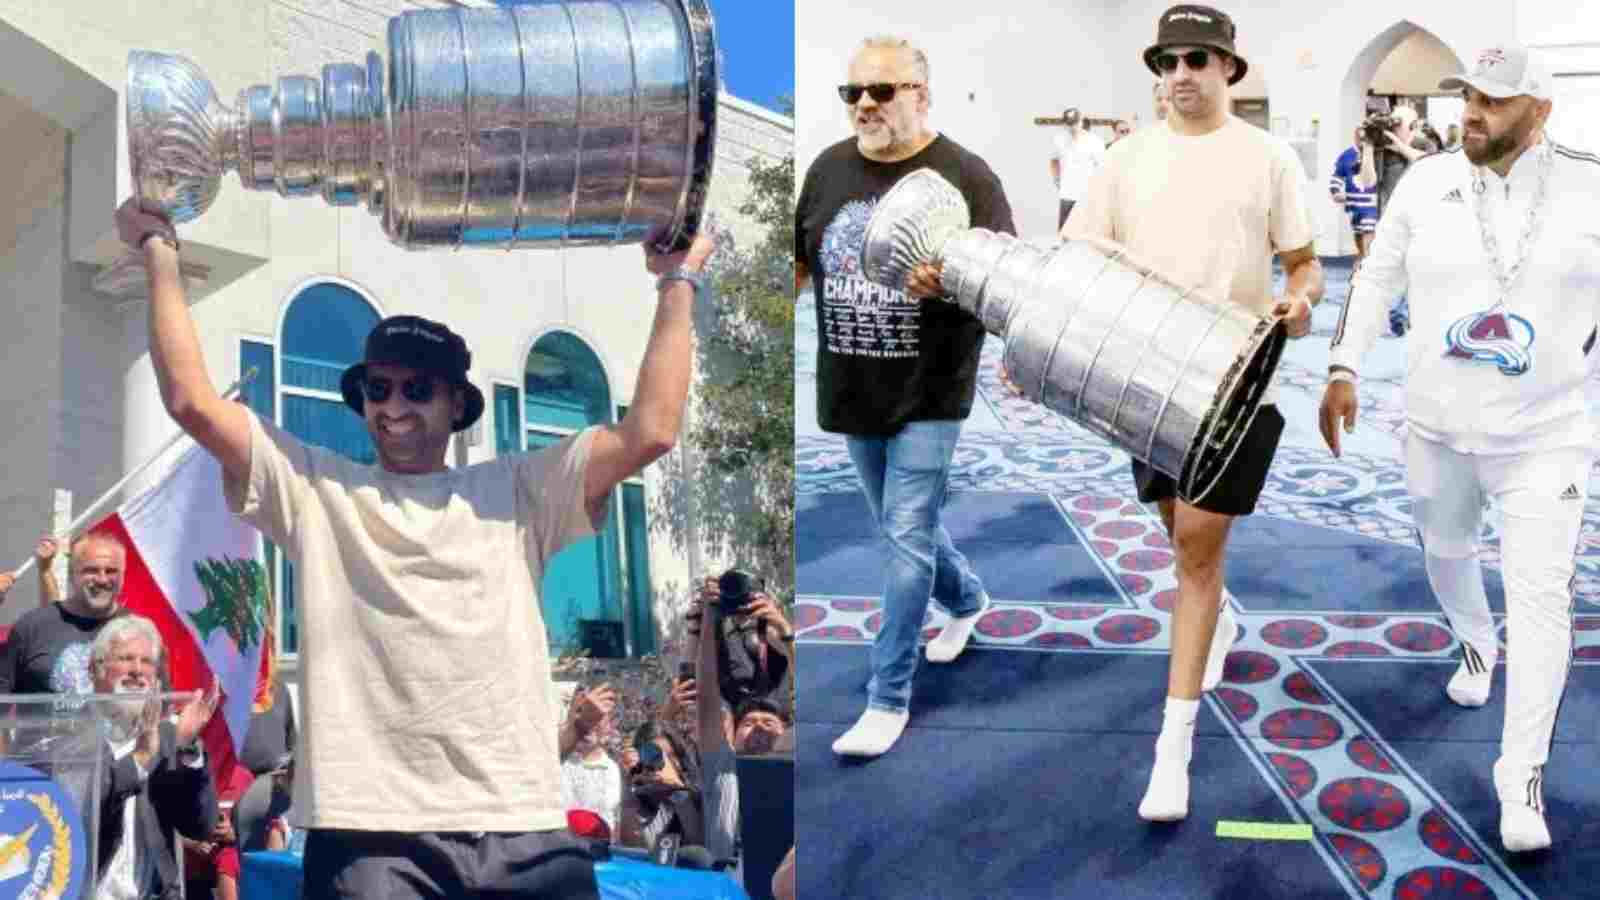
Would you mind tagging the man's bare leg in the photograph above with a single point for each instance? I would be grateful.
(1200, 539)
(1226, 628)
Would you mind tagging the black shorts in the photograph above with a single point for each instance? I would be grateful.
(1066, 210)
(1239, 485)
(446, 865)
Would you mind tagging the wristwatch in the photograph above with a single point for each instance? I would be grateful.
(696, 280)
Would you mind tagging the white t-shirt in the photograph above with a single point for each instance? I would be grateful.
(425, 670)
(1429, 247)
(1207, 211)
(1080, 157)
(594, 785)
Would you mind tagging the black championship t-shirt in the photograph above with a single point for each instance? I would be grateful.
(48, 652)
(885, 358)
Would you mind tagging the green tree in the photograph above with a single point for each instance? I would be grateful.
(743, 437)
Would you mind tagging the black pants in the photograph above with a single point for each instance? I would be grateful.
(1066, 210)
(387, 865)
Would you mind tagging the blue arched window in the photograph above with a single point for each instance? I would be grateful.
(324, 331)
(596, 593)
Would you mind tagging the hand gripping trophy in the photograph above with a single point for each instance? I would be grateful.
(550, 124)
(1171, 376)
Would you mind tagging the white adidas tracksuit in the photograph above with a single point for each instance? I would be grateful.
(1475, 432)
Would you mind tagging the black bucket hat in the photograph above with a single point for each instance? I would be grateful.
(1198, 26)
(420, 344)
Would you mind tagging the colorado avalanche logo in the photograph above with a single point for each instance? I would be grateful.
(842, 239)
(1496, 337)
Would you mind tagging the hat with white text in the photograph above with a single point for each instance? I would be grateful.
(1504, 71)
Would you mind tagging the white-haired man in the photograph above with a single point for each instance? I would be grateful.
(896, 376)
(156, 781)
(1497, 245)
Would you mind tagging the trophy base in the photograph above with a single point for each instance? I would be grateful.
(127, 279)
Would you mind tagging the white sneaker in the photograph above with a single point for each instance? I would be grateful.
(1467, 688)
(948, 643)
(1522, 826)
(1221, 642)
(873, 734)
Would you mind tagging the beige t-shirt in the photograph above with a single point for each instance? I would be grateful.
(1207, 211)
(424, 663)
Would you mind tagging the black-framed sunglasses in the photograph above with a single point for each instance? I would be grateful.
(651, 759)
(1194, 59)
(880, 92)
(417, 389)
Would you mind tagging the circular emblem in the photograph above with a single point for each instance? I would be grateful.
(1119, 531)
(1249, 667)
(835, 633)
(1301, 688)
(43, 847)
(1075, 613)
(1443, 839)
(1301, 729)
(1294, 634)
(1300, 775)
(1135, 584)
(1364, 804)
(1060, 640)
(1364, 860)
(1356, 621)
(1439, 883)
(1241, 705)
(1127, 629)
(1366, 754)
(873, 623)
(1145, 560)
(1009, 623)
(1357, 648)
(1419, 637)
(807, 615)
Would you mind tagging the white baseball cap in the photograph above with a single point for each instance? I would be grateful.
(1504, 71)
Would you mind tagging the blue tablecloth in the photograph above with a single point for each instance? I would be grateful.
(276, 875)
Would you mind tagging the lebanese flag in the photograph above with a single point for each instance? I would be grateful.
(196, 571)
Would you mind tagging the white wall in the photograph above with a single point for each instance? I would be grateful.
(994, 68)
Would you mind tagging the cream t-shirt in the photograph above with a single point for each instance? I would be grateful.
(1207, 211)
(424, 662)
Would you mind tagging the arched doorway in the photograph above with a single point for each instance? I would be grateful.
(596, 592)
(1404, 62)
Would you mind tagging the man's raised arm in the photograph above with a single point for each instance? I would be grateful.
(650, 428)
(221, 426)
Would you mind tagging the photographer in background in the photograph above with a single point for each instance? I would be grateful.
(1389, 145)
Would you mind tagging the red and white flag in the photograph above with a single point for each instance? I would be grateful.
(195, 570)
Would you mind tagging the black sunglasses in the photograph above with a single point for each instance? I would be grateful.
(417, 389)
(1194, 59)
(881, 92)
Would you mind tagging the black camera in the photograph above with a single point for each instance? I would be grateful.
(1375, 129)
(734, 588)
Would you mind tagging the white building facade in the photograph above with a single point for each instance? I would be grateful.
(291, 287)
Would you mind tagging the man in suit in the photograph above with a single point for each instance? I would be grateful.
(156, 779)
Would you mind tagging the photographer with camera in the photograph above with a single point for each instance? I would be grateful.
(1390, 143)
(744, 647)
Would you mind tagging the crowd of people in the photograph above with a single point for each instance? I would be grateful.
(670, 788)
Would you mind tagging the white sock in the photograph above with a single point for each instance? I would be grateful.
(949, 642)
(873, 734)
(1221, 642)
(1167, 797)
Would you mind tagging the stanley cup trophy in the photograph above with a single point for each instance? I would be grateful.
(550, 124)
(1171, 376)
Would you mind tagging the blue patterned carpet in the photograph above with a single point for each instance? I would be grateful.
(1025, 760)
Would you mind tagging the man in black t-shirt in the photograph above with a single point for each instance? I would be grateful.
(48, 651)
(895, 375)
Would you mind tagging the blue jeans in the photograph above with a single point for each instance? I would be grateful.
(904, 478)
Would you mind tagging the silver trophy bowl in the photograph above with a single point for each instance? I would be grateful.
(548, 124)
(1170, 375)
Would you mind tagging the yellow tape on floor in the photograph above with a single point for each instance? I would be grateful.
(1264, 831)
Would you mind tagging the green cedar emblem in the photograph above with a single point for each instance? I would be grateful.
(236, 599)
